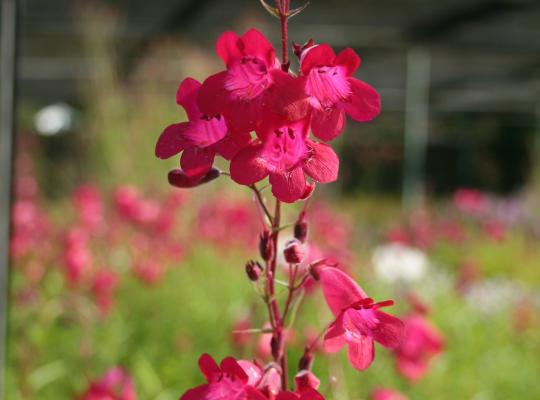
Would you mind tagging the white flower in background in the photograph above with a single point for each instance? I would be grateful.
(55, 119)
(396, 262)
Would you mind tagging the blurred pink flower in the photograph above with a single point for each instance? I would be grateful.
(116, 384)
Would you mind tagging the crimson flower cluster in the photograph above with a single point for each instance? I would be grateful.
(256, 93)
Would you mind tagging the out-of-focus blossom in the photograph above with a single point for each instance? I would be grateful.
(387, 394)
(103, 288)
(359, 322)
(495, 230)
(470, 201)
(116, 384)
(421, 342)
(89, 206)
(396, 262)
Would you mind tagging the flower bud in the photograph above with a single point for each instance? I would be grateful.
(301, 227)
(253, 270)
(265, 245)
(306, 361)
(305, 379)
(180, 179)
(294, 252)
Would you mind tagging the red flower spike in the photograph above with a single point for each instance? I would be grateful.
(358, 320)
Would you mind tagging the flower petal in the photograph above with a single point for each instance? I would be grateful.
(186, 96)
(255, 44)
(327, 124)
(196, 161)
(349, 60)
(334, 338)
(289, 186)
(364, 104)
(321, 54)
(247, 167)
(231, 144)
(339, 290)
(322, 164)
(197, 393)
(389, 330)
(171, 141)
(253, 371)
(208, 366)
(227, 47)
(203, 133)
(212, 98)
(253, 394)
(361, 352)
(231, 367)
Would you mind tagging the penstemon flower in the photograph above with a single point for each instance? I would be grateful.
(261, 116)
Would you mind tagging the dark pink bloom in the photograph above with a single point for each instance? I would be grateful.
(495, 230)
(200, 139)
(149, 271)
(89, 205)
(116, 384)
(470, 201)
(103, 288)
(421, 342)
(333, 92)
(231, 380)
(285, 154)
(387, 394)
(241, 92)
(76, 255)
(358, 320)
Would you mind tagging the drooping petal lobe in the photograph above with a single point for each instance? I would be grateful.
(247, 167)
(389, 331)
(171, 141)
(334, 338)
(327, 124)
(208, 366)
(364, 104)
(361, 353)
(288, 186)
(322, 164)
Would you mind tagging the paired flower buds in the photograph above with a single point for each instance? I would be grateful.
(301, 228)
(265, 245)
(294, 251)
(253, 270)
(180, 179)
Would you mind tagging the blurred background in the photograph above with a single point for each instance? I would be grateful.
(437, 200)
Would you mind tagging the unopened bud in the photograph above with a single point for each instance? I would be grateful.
(294, 252)
(265, 245)
(301, 227)
(306, 361)
(306, 380)
(253, 270)
(180, 179)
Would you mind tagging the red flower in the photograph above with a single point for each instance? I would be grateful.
(231, 380)
(116, 384)
(285, 154)
(241, 92)
(200, 139)
(358, 319)
(306, 388)
(387, 394)
(421, 342)
(333, 92)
